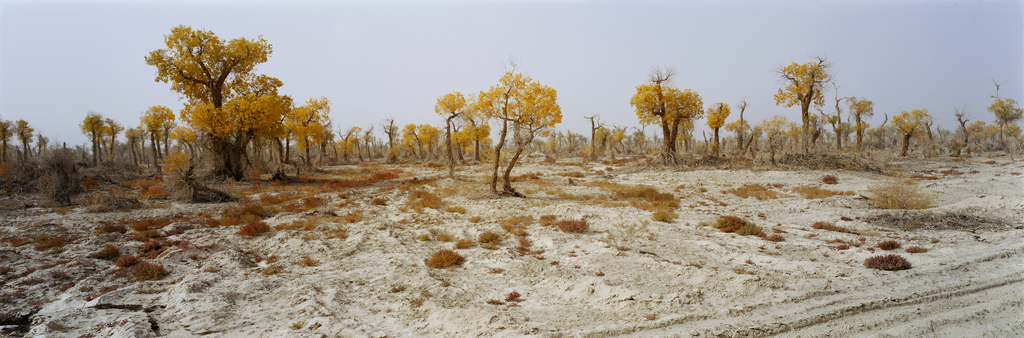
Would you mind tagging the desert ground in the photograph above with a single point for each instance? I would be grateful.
(347, 254)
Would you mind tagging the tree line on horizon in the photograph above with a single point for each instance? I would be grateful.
(235, 122)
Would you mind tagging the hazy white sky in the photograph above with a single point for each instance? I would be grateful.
(375, 59)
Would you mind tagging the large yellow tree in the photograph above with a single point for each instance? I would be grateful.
(804, 87)
(529, 108)
(659, 103)
(450, 106)
(775, 130)
(225, 101)
(717, 113)
(308, 124)
(910, 123)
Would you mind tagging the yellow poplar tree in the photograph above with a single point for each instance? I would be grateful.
(92, 126)
(738, 127)
(659, 103)
(24, 133)
(450, 106)
(428, 137)
(152, 121)
(308, 123)
(111, 129)
(226, 103)
(6, 132)
(411, 141)
(804, 87)
(717, 113)
(531, 109)
(909, 123)
(860, 108)
(774, 129)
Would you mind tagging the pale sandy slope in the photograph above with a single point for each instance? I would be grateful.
(644, 284)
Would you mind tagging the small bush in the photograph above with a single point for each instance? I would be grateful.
(419, 199)
(308, 261)
(547, 220)
(664, 215)
(774, 238)
(109, 252)
(916, 249)
(890, 262)
(152, 248)
(148, 271)
(253, 229)
(900, 193)
(272, 269)
(456, 209)
(574, 226)
(757, 191)
(444, 258)
(489, 237)
(731, 223)
(44, 242)
(829, 179)
(812, 192)
(514, 297)
(748, 230)
(832, 227)
(463, 243)
(127, 261)
(110, 228)
(889, 245)
(380, 201)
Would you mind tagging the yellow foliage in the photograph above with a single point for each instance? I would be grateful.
(178, 161)
(909, 122)
(803, 80)
(717, 113)
(308, 122)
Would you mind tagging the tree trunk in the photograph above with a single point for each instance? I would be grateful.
(506, 185)
(497, 156)
(152, 143)
(906, 144)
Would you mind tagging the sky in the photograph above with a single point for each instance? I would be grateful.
(59, 60)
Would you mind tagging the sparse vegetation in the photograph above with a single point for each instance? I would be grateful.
(900, 192)
(830, 179)
(253, 229)
(760, 192)
(916, 249)
(889, 245)
(664, 215)
(444, 258)
(573, 226)
(144, 271)
(890, 262)
(109, 252)
(736, 224)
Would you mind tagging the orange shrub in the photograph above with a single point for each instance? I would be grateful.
(253, 229)
(444, 258)
(573, 225)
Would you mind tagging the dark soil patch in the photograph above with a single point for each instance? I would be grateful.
(913, 220)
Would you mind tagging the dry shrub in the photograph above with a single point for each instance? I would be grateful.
(419, 199)
(731, 223)
(574, 226)
(253, 229)
(339, 232)
(812, 192)
(774, 238)
(889, 245)
(187, 188)
(890, 262)
(272, 269)
(832, 227)
(110, 228)
(900, 192)
(547, 220)
(575, 174)
(444, 237)
(456, 209)
(514, 297)
(127, 261)
(476, 219)
(114, 200)
(748, 230)
(152, 248)
(353, 217)
(916, 249)
(830, 179)
(60, 178)
(380, 201)
(652, 196)
(489, 237)
(757, 191)
(444, 258)
(44, 242)
(313, 202)
(148, 271)
(515, 221)
(307, 261)
(463, 243)
(109, 252)
(664, 215)
(245, 213)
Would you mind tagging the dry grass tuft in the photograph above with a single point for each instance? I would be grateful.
(812, 192)
(900, 192)
(573, 226)
(109, 228)
(489, 237)
(832, 227)
(514, 297)
(272, 269)
(127, 261)
(757, 191)
(419, 199)
(253, 229)
(463, 243)
(830, 179)
(664, 215)
(109, 252)
(890, 262)
(547, 220)
(148, 271)
(308, 261)
(916, 249)
(774, 238)
(889, 245)
(444, 258)
(732, 224)
(476, 219)
(455, 209)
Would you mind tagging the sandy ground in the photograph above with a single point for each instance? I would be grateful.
(627, 276)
